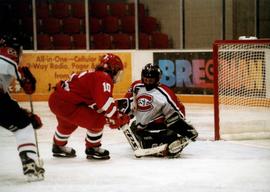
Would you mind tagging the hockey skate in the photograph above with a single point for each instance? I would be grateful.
(63, 151)
(31, 169)
(97, 153)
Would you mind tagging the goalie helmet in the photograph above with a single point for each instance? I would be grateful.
(112, 65)
(150, 76)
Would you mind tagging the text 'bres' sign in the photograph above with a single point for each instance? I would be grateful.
(187, 72)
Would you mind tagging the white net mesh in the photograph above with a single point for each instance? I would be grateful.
(244, 90)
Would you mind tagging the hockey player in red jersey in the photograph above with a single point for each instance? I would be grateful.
(14, 118)
(85, 100)
(160, 116)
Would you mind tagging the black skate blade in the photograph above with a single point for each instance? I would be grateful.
(98, 157)
(63, 155)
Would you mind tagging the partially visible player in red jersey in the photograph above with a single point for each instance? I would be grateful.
(85, 100)
(160, 116)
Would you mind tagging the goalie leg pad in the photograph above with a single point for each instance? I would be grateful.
(175, 148)
(183, 128)
(153, 135)
(162, 136)
(175, 142)
(138, 150)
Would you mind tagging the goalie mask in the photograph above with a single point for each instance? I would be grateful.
(112, 65)
(150, 76)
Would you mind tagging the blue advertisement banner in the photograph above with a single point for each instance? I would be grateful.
(186, 72)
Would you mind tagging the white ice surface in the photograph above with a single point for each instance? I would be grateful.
(204, 166)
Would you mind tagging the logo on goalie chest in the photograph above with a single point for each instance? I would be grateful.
(144, 102)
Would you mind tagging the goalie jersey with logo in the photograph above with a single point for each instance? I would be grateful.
(158, 103)
(8, 68)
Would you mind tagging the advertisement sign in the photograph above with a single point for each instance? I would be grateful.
(50, 68)
(186, 72)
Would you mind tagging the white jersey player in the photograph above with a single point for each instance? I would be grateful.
(12, 117)
(160, 116)
(153, 104)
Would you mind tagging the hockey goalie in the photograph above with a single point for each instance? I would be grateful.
(159, 128)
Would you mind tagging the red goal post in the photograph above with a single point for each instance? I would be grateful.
(241, 89)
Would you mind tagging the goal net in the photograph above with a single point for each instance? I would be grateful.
(242, 89)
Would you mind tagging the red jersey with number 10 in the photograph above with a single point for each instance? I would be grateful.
(90, 88)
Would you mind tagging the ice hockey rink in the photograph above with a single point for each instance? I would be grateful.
(206, 165)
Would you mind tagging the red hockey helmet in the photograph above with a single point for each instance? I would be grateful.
(11, 41)
(12, 47)
(112, 65)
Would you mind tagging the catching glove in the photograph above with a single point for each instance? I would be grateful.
(28, 81)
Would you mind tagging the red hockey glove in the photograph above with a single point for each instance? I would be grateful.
(28, 81)
(34, 119)
(118, 120)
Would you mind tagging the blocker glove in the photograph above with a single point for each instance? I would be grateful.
(123, 105)
(118, 120)
(28, 81)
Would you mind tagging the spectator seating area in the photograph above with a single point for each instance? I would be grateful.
(112, 26)
(61, 25)
(16, 16)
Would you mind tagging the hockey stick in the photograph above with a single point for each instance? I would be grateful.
(140, 152)
(36, 139)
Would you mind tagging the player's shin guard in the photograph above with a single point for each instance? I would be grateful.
(32, 165)
(59, 148)
(31, 168)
